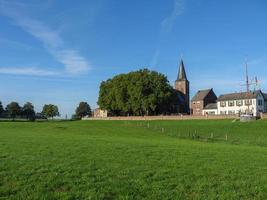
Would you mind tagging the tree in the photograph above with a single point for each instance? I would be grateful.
(141, 92)
(50, 111)
(83, 110)
(28, 111)
(1, 109)
(13, 110)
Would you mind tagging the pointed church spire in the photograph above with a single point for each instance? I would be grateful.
(181, 74)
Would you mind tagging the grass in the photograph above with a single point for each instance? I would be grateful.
(127, 160)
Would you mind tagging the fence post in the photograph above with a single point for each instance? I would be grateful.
(226, 137)
(162, 130)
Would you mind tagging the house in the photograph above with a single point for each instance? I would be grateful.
(98, 113)
(210, 109)
(237, 103)
(203, 99)
(182, 89)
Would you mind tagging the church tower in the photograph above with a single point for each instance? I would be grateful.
(182, 86)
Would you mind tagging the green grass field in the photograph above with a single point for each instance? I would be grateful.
(128, 160)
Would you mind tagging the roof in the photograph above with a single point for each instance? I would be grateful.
(181, 73)
(201, 94)
(265, 96)
(239, 95)
(211, 106)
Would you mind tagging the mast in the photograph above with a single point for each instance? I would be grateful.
(247, 86)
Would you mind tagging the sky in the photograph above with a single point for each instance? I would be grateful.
(59, 51)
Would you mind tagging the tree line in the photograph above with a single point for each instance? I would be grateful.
(13, 110)
(138, 93)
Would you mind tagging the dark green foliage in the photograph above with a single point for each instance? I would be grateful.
(28, 111)
(13, 110)
(116, 160)
(83, 110)
(2, 110)
(50, 111)
(142, 92)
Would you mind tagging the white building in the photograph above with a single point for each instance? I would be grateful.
(98, 113)
(238, 103)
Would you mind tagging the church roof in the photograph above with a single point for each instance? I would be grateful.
(181, 73)
(240, 95)
(201, 94)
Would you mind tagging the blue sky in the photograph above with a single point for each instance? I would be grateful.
(58, 51)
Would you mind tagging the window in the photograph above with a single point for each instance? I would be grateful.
(223, 103)
(248, 102)
(239, 102)
(231, 103)
(231, 112)
(260, 103)
(223, 112)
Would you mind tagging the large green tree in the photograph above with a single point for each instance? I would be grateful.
(2, 110)
(143, 92)
(83, 110)
(28, 111)
(50, 111)
(13, 110)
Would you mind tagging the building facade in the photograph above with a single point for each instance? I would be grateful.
(240, 103)
(203, 99)
(254, 102)
(98, 113)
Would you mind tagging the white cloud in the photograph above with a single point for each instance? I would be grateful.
(72, 61)
(29, 71)
(167, 25)
(155, 58)
(178, 9)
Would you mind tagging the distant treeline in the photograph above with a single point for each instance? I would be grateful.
(14, 111)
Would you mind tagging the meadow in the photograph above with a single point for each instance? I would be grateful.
(133, 160)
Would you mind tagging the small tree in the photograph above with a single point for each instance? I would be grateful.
(50, 111)
(1, 109)
(13, 110)
(28, 111)
(83, 110)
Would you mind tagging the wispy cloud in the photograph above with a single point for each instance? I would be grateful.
(167, 25)
(72, 61)
(155, 58)
(178, 9)
(28, 71)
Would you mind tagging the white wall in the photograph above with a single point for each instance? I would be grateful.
(254, 107)
(210, 111)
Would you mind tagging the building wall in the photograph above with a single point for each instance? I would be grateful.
(197, 107)
(98, 113)
(183, 87)
(236, 109)
(210, 112)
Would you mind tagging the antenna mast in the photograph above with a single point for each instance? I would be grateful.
(247, 80)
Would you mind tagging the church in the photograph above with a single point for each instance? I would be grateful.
(183, 91)
(205, 102)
